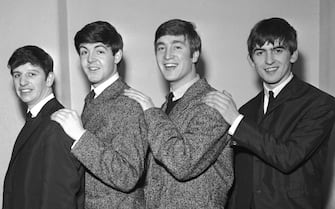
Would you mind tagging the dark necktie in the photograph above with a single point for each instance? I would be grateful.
(271, 99)
(170, 103)
(90, 96)
(28, 116)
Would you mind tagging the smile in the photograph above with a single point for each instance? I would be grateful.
(271, 69)
(170, 66)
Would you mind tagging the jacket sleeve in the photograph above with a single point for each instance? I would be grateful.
(296, 141)
(187, 152)
(62, 176)
(119, 162)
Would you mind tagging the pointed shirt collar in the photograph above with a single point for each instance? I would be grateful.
(37, 108)
(99, 89)
(179, 92)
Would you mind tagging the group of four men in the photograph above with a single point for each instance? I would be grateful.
(136, 155)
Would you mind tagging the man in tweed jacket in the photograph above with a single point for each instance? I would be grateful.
(190, 161)
(111, 141)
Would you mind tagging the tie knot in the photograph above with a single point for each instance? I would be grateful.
(170, 97)
(28, 116)
(90, 96)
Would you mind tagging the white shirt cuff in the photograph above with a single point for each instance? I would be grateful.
(235, 124)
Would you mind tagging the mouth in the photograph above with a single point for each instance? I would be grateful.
(170, 66)
(24, 91)
(270, 69)
(93, 68)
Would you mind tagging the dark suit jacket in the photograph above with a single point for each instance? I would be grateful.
(280, 155)
(113, 149)
(42, 173)
(192, 165)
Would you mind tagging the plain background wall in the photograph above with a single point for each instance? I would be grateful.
(222, 24)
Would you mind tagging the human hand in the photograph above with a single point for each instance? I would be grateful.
(141, 98)
(224, 103)
(70, 122)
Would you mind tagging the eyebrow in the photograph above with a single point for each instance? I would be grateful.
(276, 47)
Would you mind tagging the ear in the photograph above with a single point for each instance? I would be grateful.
(50, 79)
(294, 57)
(195, 56)
(251, 62)
(118, 56)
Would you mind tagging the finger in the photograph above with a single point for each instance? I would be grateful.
(227, 94)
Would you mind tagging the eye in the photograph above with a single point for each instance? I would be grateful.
(178, 47)
(278, 50)
(16, 75)
(160, 48)
(258, 52)
(82, 52)
(31, 74)
(100, 52)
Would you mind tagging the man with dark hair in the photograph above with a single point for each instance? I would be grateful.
(191, 163)
(111, 135)
(280, 136)
(42, 172)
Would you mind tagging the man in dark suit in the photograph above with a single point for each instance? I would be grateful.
(42, 173)
(280, 136)
(111, 138)
(191, 163)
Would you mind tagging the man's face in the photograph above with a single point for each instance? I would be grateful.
(273, 63)
(31, 84)
(98, 62)
(174, 59)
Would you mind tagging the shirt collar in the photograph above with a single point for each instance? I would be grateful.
(179, 92)
(37, 108)
(278, 88)
(99, 89)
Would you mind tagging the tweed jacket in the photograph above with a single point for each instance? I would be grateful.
(190, 165)
(283, 165)
(113, 149)
(42, 173)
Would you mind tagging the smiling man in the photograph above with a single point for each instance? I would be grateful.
(42, 172)
(111, 137)
(280, 136)
(190, 165)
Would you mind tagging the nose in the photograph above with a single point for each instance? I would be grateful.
(91, 57)
(23, 80)
(168, 53)
(269, 58)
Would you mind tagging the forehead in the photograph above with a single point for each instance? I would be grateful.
(93, 45)
(170, 39)
(28, 67)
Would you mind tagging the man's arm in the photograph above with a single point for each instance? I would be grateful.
(185, 153)
(120, 162)
(303, 134)
(62, 176)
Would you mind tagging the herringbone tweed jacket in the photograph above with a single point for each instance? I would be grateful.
(113, 150)
(191, 162)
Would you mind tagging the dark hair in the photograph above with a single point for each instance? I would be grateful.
(177, 27)
(33, 55)
(99, 31)
(271, 30)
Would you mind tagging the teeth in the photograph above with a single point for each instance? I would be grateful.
(25, 90)
(271, 69)
(170, 65)
(93, 68)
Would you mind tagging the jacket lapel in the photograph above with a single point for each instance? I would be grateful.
(195, 91)
(30, 127)
(110, 93)
(292, 90)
